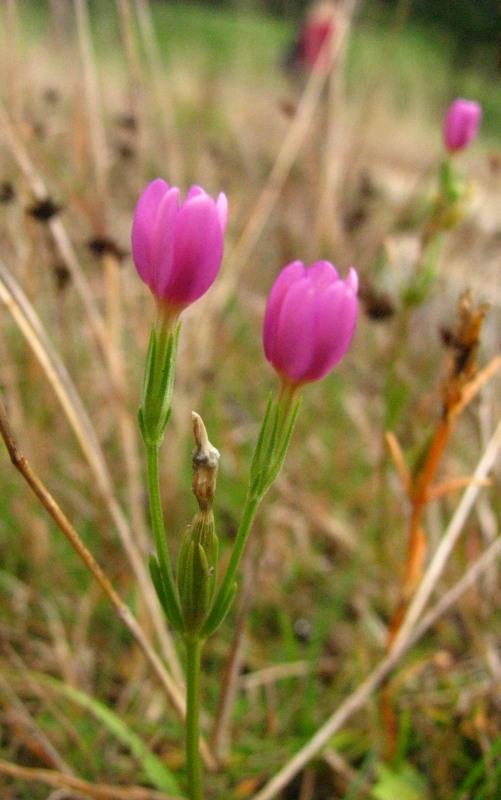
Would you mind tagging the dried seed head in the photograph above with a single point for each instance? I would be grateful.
(463, 341)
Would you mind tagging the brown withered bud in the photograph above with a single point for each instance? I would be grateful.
(462, 341)
(205, 461)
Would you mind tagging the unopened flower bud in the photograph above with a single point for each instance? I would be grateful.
(309, 321)
(461, 124)
(196, 572)
(177, 245)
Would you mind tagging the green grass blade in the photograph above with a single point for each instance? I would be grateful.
(155, 770)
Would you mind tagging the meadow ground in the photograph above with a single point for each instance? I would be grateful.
(92, 110)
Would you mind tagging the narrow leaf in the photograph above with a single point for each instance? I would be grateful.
(156, 771)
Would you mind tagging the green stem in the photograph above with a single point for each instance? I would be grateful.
(157, 524)
(248, 514)
(193, 763)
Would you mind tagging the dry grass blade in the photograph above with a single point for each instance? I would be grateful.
(40, 743)
(29, 323)
(398, 459)
(91, 89)
(65, 526)
(31, 327)
(130, 47)
(127, 427)
(408, 634)
(160, 90)
(239, 257)
(71, 534)
(98, 791)
(58, 232)
(449, 539)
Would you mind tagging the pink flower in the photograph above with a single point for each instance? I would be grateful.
(313, 45)
(178, 246)
(309, 320)
(461, 124)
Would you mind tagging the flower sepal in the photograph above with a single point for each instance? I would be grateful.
(158, 383)
(197, 570)
(273, 441)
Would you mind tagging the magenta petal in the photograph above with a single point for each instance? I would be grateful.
(194, 191)
(144, 215)
(309, 321)
(288, 275)
(335, 319)
(198, 250)
(293, 341)
(461, 123)
(322, 274)
(162, 240)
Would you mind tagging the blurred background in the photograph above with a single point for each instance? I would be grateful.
(332, 153)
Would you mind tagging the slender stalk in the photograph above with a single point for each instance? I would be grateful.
(193, 763)
(248, 514)
(158, 527)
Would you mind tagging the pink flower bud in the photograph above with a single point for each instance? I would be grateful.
(178, 247)
(309, 321)
(314, 43)
(461, 124)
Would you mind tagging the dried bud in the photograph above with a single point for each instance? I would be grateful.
(205, 460)
(198, 556)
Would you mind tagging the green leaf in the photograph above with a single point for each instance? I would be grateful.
(219, 612)
(156, 771)
(168, 604)
(402, 784)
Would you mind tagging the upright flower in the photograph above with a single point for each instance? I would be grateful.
(177, 249)
(178, 246)
(309, 321)
(461, 124)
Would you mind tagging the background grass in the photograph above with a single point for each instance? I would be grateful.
(330, 542)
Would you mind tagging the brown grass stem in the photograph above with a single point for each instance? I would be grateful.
(58, 232)
(240, 255)
(94, 114)
(27, 320)
(127, 34)
(126, 423)
(25, 720)
(14, 71)
(448, 541)
(49, 503)
(327, 225)
(358, 699)
(98, 791)
(112, 280)
(163, 102)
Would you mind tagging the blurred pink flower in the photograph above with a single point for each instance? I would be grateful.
(309, 321)
(461, 124)
(313, 44)
(178, 246)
